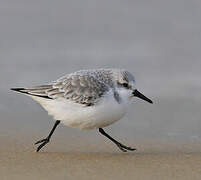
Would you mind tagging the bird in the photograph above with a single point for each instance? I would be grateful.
(87, 99)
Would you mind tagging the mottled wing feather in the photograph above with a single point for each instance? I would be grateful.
(82, 89)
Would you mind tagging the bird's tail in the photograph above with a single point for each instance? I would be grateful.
(22, 90)
(40, 91)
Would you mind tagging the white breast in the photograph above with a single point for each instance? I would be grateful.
(104, 113)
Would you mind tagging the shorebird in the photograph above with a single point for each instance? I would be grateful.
(87, 99)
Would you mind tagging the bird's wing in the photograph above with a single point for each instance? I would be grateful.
(79, 88)
(83, 89)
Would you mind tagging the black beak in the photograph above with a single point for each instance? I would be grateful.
(141, 96)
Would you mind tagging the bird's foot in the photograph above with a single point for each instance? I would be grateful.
(43, 143)
(124, 148)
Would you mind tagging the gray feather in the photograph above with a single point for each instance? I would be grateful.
(83, 87)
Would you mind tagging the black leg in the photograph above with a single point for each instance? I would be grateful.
(46, 140)
(119, 145)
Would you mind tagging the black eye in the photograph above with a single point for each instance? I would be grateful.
(125, 85)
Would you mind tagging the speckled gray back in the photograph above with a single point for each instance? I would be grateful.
(83, 87)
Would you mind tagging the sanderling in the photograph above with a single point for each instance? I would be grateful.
(87, 99)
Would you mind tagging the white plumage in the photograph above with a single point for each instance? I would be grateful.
(104, 113)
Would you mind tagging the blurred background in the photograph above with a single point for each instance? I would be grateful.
(158, 41)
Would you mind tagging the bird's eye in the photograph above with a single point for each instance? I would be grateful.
(125, 85)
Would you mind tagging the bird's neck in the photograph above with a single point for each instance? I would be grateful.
(124, 95)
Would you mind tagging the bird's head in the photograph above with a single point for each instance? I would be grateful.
(126, 81)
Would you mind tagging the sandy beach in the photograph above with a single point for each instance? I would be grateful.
(30, 165)
(63, 159)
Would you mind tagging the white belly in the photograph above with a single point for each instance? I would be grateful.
(106, 112)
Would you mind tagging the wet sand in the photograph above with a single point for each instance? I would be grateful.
(44, 165)
(92, 157)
